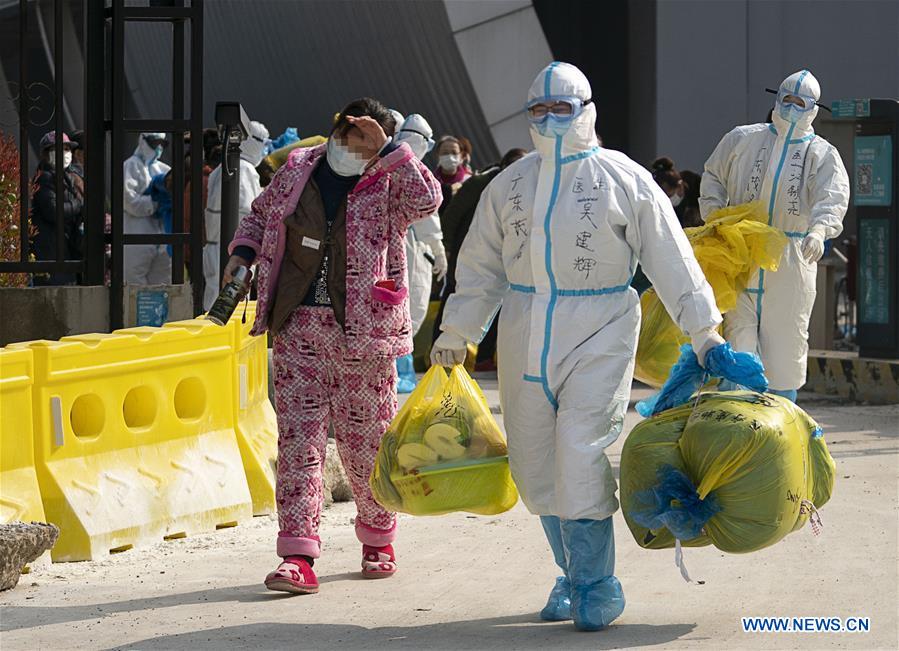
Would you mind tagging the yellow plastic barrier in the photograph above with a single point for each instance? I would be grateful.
(20, 496)
(134, 437)
(257, 426)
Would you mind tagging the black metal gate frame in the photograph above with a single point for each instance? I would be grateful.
(92, 267)
(177, 125)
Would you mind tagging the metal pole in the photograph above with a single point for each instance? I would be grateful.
(57, 117)
(196, 159)
(178, 147)
(24, 185)
(94, 144)
(116, 298)
(230, 197)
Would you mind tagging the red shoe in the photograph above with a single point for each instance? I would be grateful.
(378, 562)
(293, 575)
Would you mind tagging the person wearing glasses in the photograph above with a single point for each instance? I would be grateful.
(555, 240)
(803, 184)
(145, 264)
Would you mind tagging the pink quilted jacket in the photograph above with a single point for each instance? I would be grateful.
(393, 193)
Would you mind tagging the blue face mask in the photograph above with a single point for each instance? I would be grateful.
(790, 112)
(554, 125)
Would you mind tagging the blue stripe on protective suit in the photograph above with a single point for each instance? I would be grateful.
(771, 200)
(547, 332)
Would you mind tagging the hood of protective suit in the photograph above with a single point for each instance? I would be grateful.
(397, 118)
(144, 151)
(252, 149)
(565, 80)
(417, 133)
(804, 83)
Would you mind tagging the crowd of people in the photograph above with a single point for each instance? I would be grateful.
(350, 235)
(147, 207)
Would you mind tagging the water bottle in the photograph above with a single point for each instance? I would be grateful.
(230, 297)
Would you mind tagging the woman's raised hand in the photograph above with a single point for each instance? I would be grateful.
(373, 135)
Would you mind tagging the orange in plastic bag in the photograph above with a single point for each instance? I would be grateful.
(444, 452)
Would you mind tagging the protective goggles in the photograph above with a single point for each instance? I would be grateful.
(157, 142)
(560, 107)
(428, 140)
(808, 102)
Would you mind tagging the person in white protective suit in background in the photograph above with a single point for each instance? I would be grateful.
(251, 154)
(424, 237)
(145, 264)
(555, 240)
(802, 182)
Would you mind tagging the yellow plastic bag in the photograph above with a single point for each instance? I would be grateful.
(752, 469)
(733, 243)
(444, 452)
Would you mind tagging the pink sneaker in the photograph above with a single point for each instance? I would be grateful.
(294, 575)
(378, 562)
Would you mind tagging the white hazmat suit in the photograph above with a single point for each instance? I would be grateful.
(555, 239)
(145, 264)
(251, 154)
(423, 236)
(802, 182)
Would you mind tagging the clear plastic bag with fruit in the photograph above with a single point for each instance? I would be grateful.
(444, 452)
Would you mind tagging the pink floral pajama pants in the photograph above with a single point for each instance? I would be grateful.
(317, 386)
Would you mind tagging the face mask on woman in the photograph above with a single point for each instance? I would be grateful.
(449, 162)
(676, 199)
(342, 160)
(66, 159)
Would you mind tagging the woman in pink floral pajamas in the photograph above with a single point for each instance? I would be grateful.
(328, 238)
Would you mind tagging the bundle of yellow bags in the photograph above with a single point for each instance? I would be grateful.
(444, 452)
(739, 471)
(730, 246)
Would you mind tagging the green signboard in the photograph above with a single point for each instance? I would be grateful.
(152, 308)
(874, 271)
(873, 171)
(851, 108)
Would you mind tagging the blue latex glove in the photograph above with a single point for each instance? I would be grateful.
(163, 198)
(745, 369)
(687, 376)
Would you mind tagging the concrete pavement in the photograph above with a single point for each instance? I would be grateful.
(477, 582)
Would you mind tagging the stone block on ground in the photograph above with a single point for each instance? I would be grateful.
(337, 487)
(20, 544)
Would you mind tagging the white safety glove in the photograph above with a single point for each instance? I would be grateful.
(812, 247)
(448, 350)
(440, 262)
(703, 341)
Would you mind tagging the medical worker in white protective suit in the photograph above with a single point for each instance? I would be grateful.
(801, 180)
(251, 154)
(145, 264)
(424, 237)
(555, 240)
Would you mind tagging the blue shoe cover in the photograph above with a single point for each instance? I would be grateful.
(405, 370)
(558, 606)
(404, 385)
(596, 606)
(596, 595)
